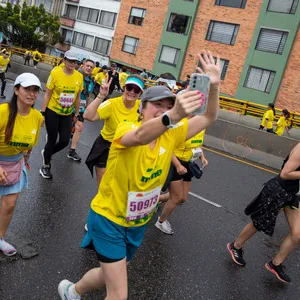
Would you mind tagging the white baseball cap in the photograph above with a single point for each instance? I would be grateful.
(27, 79)
(71, 55)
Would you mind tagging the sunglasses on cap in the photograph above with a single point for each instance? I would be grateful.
(130, 87)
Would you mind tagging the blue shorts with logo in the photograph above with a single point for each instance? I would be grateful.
(111, 241)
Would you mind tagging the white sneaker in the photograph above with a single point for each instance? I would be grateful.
(63, 290)
(164, 226)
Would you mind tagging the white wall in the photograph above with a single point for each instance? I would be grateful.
(82, 53)
(108, 5)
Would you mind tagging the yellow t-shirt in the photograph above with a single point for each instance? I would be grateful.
(25, 133)
(135, 170)
(122, 79)
(95, 71)
(36, 55)
(184, 151)
(114, 111)
(64, 90)
(281, 124)
(3, 63)
(101, 78)
(269, 114)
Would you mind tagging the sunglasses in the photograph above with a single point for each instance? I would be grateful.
(71, 61)
(136, 89)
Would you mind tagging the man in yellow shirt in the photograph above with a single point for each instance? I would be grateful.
(4, 61)
(122, 77)
(36, 56)
(96, 69)
(27, 57)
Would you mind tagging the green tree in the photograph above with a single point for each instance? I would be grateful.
(29, 26)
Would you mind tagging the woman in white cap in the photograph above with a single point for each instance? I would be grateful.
(113, 111)
(62, 95)
(20, 126)
(138, 164)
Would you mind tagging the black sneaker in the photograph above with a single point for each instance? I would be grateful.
(278, 271)
(45, 172)
(236, 254)
(73, 155)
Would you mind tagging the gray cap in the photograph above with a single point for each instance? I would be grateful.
(156, 93)
(71, 55)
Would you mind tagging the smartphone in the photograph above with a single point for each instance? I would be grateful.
(201, 83)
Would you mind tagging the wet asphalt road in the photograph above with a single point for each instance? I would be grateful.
(48, 227)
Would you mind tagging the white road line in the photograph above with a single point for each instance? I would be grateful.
(205, 200)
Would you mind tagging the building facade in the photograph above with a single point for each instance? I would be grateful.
(88, 26)
(255, 39)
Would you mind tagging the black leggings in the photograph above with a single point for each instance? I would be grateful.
(3, 79)
(56, 125)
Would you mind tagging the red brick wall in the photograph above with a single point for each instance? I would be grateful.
(289, 94)
(247, 18)
(149, 34)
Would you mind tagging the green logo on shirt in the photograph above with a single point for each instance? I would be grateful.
(152, 176)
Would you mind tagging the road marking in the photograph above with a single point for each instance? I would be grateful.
(242, 161)
(205, 200)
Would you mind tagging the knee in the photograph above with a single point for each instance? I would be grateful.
(78, 126)
(177, 198)
(9, 207)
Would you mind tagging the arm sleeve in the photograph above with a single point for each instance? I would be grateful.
(51, 81)
(105, 110)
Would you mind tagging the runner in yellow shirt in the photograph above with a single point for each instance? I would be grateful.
(36, 56)
(113, 111)
(62, 95)
(282, 123)
(96, 70)
(27, 57)
(183, 169)
(267, 120)
(4, 61)
(122, 77)
(19, 132)
(138, 165)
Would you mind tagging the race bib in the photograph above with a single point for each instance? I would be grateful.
(66, 99)
(141, 204)
(197, 152)
(82, 104)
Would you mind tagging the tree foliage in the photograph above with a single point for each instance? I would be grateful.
(29, 26)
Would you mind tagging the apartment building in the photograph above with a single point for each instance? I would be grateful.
(88, 26)
(256, 40)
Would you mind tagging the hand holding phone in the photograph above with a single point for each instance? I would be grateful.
(200, 82)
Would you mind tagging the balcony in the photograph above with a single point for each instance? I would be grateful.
(67, 22)
(73, 1)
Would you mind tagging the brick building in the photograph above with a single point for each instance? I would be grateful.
(256, 40)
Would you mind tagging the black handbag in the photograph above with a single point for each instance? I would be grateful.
(195, 169)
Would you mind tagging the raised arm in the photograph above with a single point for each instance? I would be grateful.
(91, 113)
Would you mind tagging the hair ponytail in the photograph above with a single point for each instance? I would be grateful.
(13, 110)
(272, 107)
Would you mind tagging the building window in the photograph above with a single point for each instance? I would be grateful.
(179, 23)
(107, 18)
(83, 40)
(101, 45)
(169, 55)
(270, 40)
(67, 35)
(88, 14)
(283, 6)
(130, 44)
(259, 79)
(224, 33)
(232, 3)
(70, 11)
(137, 16)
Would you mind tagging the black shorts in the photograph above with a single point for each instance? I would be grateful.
(186, 177)
(98, 155)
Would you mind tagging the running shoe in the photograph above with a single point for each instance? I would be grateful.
(236, 254)
(165, 226)
(278, 271)
(45, 172)
(63, 290)
(73, 155)
(7, 248)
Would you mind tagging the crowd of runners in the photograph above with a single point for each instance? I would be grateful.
(148, 151)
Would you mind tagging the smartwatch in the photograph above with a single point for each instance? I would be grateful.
(166, 120)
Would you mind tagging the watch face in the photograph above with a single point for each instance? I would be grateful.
(166, 120)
